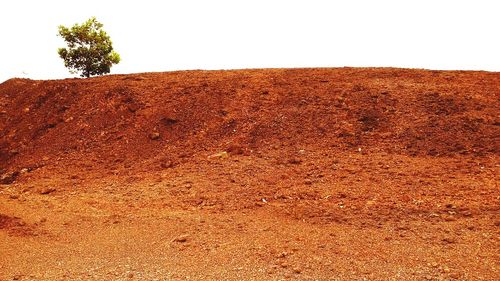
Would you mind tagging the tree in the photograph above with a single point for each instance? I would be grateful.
(89, 51)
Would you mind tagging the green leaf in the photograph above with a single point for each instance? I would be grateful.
(89, 49)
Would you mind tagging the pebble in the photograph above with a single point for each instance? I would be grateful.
(282, 255)
(8, 178)
(182, 238)
(221, 155)
(294, 161)
(14, 196)
(449, 240)
(283, 264)
(154, 135)
(47, 190)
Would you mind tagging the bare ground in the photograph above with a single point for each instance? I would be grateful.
(305, 174)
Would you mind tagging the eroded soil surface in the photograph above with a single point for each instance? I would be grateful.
(279, 174)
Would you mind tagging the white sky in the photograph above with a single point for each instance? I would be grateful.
(219, 34)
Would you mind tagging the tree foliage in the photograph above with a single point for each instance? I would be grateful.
(89, 49)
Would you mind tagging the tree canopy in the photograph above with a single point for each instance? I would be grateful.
(89, 49)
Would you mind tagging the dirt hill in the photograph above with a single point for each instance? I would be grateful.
(345, 173)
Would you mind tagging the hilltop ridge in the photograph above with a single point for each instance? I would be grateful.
(149, 117)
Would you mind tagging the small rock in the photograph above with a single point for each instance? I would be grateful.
(154, 135)
(133, 107)
(294, 161)
(467, 213)
(308, 181)
(9, 178)
(14, 196)
(167, 164)
(297, 270)
(282, 255)
(283, 264)
(220, 155)
(235, 149)
(370, 202)
(445, 269)
(449, 240)
(181, 239)
(46, 190)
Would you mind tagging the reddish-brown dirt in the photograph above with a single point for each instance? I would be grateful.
(307, 174)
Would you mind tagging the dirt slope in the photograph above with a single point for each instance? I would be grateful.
(319, 174)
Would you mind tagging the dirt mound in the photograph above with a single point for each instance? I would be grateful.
(142, 121)
(278, 174)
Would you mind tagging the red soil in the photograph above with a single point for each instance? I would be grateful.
(310, 174)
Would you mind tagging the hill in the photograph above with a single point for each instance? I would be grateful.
(278, 173)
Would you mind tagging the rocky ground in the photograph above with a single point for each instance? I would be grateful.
(279, 174)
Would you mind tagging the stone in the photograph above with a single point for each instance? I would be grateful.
(220, 155)
(14, 196)
(235, 149)
(46, 190)
(9, 178)
(181, 239)
(294, 161)
(167, 164)
(154, 135)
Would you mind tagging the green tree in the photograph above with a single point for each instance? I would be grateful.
(89, 51)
